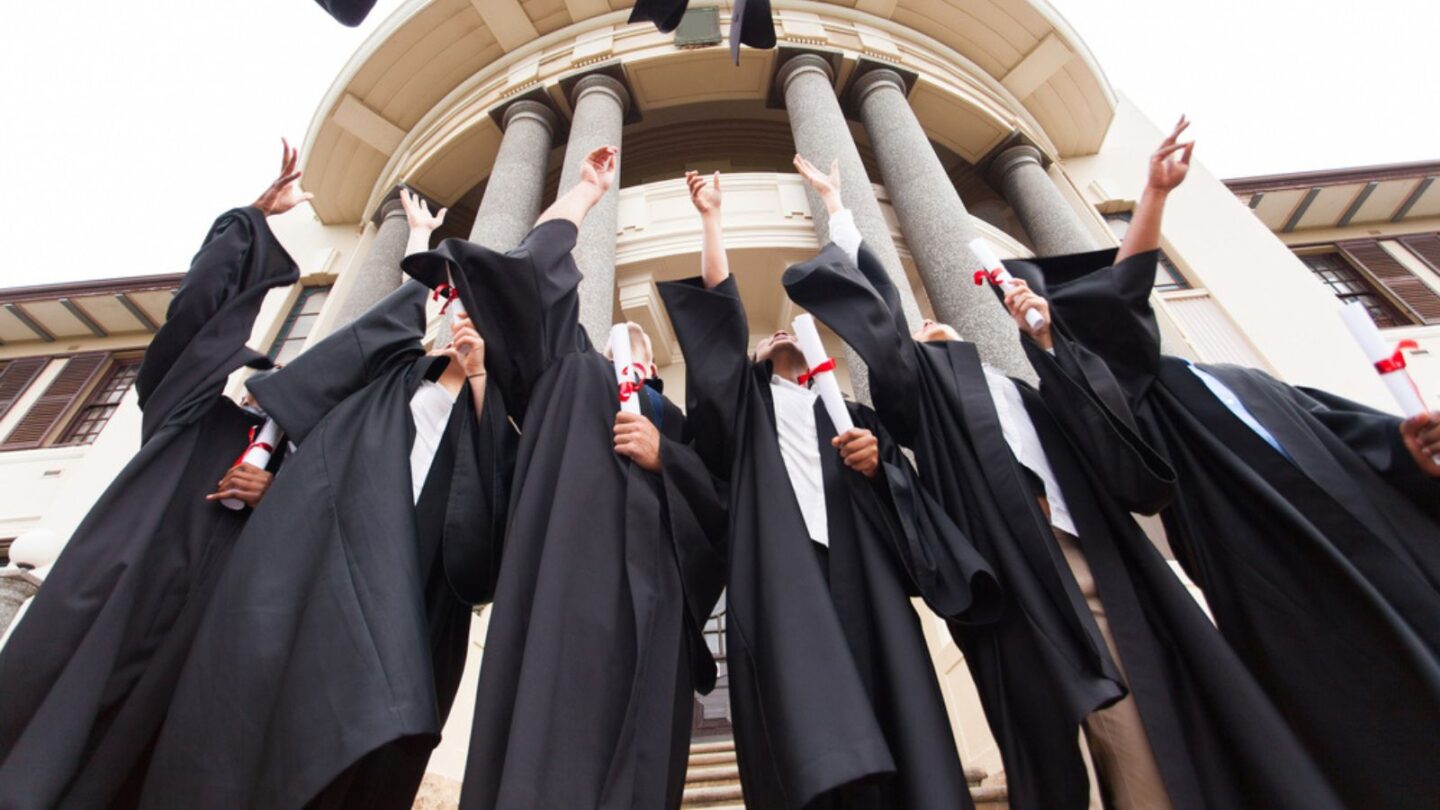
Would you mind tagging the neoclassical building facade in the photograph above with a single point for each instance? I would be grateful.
(950, 119)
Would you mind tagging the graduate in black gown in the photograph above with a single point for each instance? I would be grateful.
(835, 700)
(1094, 605)
(751, 22)
(87, 674)
(613, 552)
(330, 655)
(348, 12)
(1309, 522)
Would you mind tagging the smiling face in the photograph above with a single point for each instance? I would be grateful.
(930, 332)
(779, 346)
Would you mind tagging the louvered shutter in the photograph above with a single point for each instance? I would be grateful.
(1426, 246)
(1414, 296)
(15, 379)
(52, 406)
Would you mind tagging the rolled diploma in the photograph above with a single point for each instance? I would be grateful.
(996, 269)
(825, 384)
(620, 353)
(1373, 344)
(256, 456)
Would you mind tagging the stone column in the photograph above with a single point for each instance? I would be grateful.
(937, 227)
(379, 274)
(517, 180)
(1019, 174)
(821, 135)
(16, 586)
(600, 103)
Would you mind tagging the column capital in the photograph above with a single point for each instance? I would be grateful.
(1013, 158)
(602, 84)
(877, 79)
(800, 65)
(390, 207)
(529, 110)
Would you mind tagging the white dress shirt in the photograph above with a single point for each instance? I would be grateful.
(430, 408)
(844, 233)
(800, 449)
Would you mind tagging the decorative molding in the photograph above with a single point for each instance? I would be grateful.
(1038, 66)
(508, 21)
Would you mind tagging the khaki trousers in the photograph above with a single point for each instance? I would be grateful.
(1119, 746)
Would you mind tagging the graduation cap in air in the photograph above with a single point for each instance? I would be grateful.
(1102, 306)
(750, 23)
(348, 12)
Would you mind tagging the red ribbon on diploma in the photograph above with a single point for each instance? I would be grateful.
(993, 276)
(448, 293)
(828, 365)
(631, 387)
(1396, 361)
(251, 444)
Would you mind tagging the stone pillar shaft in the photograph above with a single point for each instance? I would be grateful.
(821, 135)
(517, 180)
(937, 227)
(1052, 224)
(600, 103)
(379, 274)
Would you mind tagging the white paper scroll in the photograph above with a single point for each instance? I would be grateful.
(1379, 352)
(257, 455)
(456, 308)
(624, 374)
(995, 270)
(825, 384)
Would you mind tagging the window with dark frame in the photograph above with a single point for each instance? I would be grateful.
(101, 404)
(1169, 278)
(5, 543)
(299, 323)
(1349, 284)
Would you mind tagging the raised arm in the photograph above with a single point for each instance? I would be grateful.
(422, 222)
(1168, 167)
(714, 264)
(597, 175)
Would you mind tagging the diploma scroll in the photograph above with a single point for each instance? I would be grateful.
(997, 274)
(455, 306)
(1389, 361)
(624, 371)
(822, 372)
(262, 447)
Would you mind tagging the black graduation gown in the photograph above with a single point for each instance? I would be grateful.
(834, 697)
(87, 674)
(348, 12)
(332, 637)
(751, 22)
(595, 644)
(1322, 569)
(1217, 738)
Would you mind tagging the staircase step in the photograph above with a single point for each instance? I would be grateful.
(714, 773)
(713, 794)
(716, 758)
(974, 776)
(994, 796)
(712, 746)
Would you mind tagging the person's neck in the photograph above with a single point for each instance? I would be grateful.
(788, 367)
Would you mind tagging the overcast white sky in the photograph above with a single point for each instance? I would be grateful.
(126, 126)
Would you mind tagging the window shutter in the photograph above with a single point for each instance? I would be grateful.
(1426, 246)
(1415, 297)
(15, 379)
(55, 403)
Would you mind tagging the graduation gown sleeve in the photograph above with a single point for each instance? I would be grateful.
(862, 307)
(301, 394)
(1085, 399)
(1104, 307)
(478, 506)
(523, 302)
(210, 318)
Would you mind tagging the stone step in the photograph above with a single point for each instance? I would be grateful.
(713, 773)
(716, 758)
(707, 795)
(974, 776)
(712, 746)
(995, 797)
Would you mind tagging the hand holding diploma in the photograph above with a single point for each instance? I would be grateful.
(246, 481)
(1390, 364)
(822, 371)
(994, 271)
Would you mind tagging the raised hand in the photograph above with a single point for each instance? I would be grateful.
(598, 170)
(706, 199)
(284, 193)
(417, 212)
(1171, 162)
(825, 185)
(466, 347)
(1020, 300)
